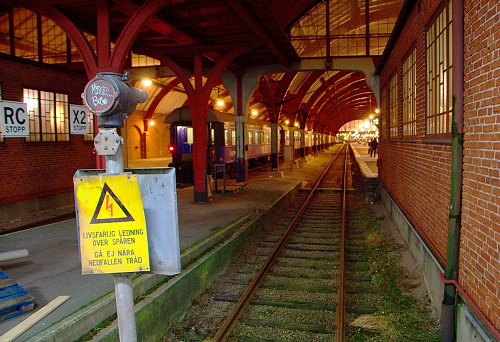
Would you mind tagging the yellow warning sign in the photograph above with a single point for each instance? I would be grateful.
(112, 234)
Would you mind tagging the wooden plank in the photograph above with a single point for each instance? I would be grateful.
(17, 306)
(13, 300)
(33, 319)
(4, 283)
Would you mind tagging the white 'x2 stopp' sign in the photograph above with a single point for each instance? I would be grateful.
(79, 119)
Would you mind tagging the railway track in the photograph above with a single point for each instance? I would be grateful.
(290, 285)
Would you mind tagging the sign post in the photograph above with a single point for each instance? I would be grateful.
(111, 99)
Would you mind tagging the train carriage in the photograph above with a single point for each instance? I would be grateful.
(221, 141)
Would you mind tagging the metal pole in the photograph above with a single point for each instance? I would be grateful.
(125, 307)
(117, 100)
(124, 293)
(448, 308)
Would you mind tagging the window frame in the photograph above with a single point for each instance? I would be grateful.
(384, 112)
(410, 94)
(393, 107)
(438, 89)
(38, 123)
(89, 137)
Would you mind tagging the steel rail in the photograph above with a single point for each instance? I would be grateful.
(239, 308)
(340, 331)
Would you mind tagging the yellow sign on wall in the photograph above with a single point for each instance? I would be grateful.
(112, 234)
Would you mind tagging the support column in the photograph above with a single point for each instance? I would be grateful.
(200, 158)
(144, 153)
(242, 86)
(275, 172)
(290, 148)
(303, 142)
(274, 147)
(241, 149)
(199, 108)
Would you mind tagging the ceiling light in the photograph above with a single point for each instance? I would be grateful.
(254, 112)
(377, 110)
(220, 103)
(147, 82)
(151, 122)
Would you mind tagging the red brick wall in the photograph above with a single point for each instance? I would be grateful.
(414, 170)
(480, 235)
(30, 170)
(417, 173)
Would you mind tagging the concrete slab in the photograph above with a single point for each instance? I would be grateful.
(367, 164)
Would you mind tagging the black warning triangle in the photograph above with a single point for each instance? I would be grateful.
(106, 189)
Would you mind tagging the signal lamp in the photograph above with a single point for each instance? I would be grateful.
(171, 149)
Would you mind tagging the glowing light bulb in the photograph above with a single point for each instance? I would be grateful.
(254, 112)
(152, 123)
(377, 110)
(287, 122)
(220, 103)
(147, 82)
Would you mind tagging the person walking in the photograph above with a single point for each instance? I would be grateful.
(373, 147)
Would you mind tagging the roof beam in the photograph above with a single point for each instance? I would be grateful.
(128, 8)
(242, 12)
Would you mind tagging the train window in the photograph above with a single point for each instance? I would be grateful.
(268, 140)
(227, 137)
(251, 137)
(190, 135)
(233, 137)
(212, 136)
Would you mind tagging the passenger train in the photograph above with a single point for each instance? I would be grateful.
(221, 141)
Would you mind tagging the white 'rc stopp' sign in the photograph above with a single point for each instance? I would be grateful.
(14, 119)
(79, 119)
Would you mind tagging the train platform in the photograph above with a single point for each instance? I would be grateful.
(53, 267)
(368, 167)
(367, 164)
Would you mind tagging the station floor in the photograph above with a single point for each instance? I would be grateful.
(53, 267)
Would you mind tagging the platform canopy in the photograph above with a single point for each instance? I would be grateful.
(268, 32)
